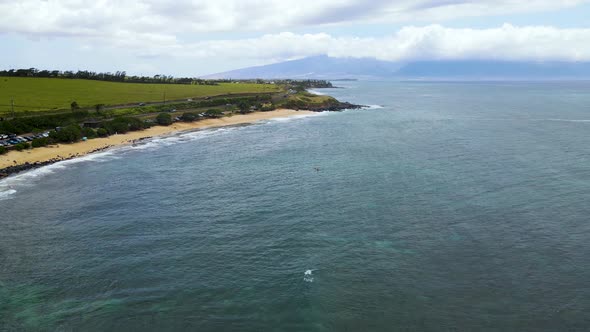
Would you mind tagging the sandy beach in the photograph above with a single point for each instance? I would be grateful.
(66, 151)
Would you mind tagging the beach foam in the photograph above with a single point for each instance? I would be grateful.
(10, 185)
(316, 92)
(295, 117)
(6, 194)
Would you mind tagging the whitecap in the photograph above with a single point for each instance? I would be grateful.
(6, 194)
(308, 276)
(293, 117)
(316, 92)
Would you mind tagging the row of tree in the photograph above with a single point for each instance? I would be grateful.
(118, 76)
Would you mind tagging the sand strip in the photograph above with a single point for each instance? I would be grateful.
(66, 151)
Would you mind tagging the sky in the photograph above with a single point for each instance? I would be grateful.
(199, 37)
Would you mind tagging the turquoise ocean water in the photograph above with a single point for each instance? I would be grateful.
(443, 207)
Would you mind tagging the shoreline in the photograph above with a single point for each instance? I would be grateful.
(15, 161)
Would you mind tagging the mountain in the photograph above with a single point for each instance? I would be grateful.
(319, 67)
(324, 67)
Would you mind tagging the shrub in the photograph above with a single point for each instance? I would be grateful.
(267, 107)
(101, 132)
(71, 133)
(135, 124)
(214, 113)
(88, 132)
(189, 117)
(74, 105)
(39, 142)
(119, 127)
(164, 119)
(22, 146)
(244, 107)
(3, 150)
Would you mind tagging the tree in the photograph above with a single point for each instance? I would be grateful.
(74, 105)
(244, 107)
(88, 133)
(39, 142)
(189, 116)
(22, 146)
(164, 119)
(101, 132)
(99, 108)
(214, 113)
(71, 133)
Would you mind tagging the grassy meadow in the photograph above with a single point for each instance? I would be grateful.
(42, 94)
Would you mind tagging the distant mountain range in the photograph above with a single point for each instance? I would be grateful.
(324, 67)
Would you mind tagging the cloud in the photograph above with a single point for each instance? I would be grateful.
(136, 18)
(187, 29)
(432, 42)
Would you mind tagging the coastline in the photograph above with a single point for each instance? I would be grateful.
(15, 161)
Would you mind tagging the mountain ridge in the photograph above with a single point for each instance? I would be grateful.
(324, 67)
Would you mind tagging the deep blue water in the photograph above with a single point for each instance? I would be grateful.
(452, 207)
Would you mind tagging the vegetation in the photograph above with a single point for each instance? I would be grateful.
(40, 142)
(189, 116)
(22, 146)
(300, 86)
(38, 123)
(74, 106)
(89, 133)
(306, 100)
(119, 76)
(214, 113)
(101, 132)
(3, 150)
(69, 134)
(46, 94)
(122, 125)
(164, 119)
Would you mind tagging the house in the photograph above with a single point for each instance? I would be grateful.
(91, 124)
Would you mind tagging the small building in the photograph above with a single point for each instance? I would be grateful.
(91, 124)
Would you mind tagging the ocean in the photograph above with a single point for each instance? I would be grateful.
(447, 206)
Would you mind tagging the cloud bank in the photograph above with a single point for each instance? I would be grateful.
(432, 42)
(163, 18)
(196, 30)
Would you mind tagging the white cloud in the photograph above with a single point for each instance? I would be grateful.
(537, 43)
(135, 18)
(158, 28)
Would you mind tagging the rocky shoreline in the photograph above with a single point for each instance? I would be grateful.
(5, 172)
(339, 107)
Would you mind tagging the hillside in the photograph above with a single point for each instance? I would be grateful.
(55, 93)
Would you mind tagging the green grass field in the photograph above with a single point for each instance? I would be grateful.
(41, 94)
